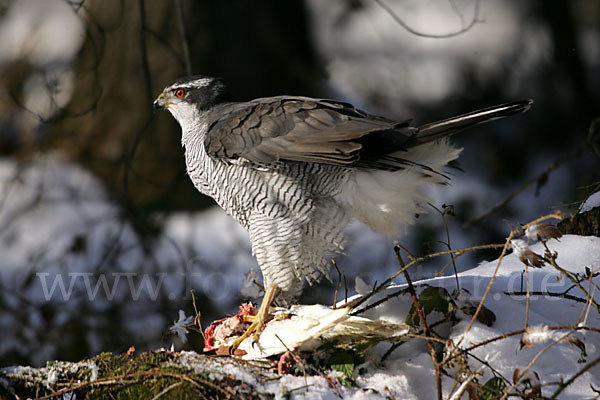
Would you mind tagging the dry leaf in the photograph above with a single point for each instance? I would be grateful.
(531, 380)
(543, 231)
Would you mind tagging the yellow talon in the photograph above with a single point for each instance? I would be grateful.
(258, 320)
(248, 318)
(281, 317)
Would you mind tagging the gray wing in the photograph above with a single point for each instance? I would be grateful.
(300, 129)
(327, 131)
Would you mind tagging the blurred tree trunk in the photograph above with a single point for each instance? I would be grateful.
(135, 48)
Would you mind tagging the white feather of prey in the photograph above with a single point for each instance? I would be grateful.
(387, 200)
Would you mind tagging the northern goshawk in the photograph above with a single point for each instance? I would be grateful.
(295, 170)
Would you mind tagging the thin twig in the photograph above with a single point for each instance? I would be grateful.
(345, 290)
(554, 165)
(414, 260)
(521, 331)
(167, 389)
(556, 215)
(196, 381)
(523, 371)
(566, 273)
(184, 41)
(338, 285)
(378, 302)
(144, 53)
(389, 351)
(527, 296)
(197, 318)
(413, 294)
(582, 317)
(447, 243)
(295, 357)
(513, 232)
(404, 25)
(549, 294)
(589, 303)
(572, 379)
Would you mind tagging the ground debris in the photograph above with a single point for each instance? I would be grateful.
(182, 375)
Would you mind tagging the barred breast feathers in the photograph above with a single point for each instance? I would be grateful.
(290, 213)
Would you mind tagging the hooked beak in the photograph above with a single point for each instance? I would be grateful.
(159, 103)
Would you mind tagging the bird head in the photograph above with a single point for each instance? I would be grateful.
(187, 97)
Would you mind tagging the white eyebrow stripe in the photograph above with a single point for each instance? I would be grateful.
(191, 84)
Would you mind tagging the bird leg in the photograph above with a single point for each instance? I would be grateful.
(259, 319)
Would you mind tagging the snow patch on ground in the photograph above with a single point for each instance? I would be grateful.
(592, 202)
(58, 220)
(408, 373)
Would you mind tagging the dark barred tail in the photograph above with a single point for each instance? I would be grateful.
(437, 130)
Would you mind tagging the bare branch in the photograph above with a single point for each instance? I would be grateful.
(404, 25)
(413, 294)
(184, 41)
(572, 379)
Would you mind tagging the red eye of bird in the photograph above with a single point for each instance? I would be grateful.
(179, 93)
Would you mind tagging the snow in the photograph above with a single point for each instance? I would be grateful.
(51, 374)
(408, 373)
(217, 252)
(66, 248)
(62, 215)
(48, 35)
(592, 202)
